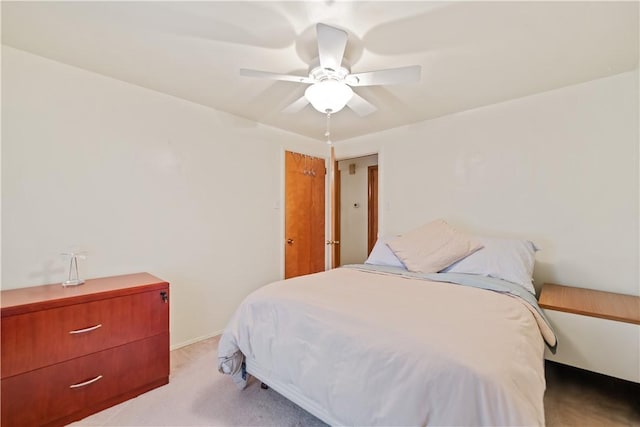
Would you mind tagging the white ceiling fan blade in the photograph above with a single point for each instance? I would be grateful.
(392, 76)
(296, 106)
(331, 45)
(275, 76)
(361, 106)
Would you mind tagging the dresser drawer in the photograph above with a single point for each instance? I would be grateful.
(33, 340)
(45, 396)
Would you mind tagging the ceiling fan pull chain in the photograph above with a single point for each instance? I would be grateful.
(328, 132)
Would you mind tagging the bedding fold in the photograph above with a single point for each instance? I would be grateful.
(482, 282)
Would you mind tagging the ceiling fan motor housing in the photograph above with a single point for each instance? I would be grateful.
(318, 73)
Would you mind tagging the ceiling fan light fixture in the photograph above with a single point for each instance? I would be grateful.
(328, 96)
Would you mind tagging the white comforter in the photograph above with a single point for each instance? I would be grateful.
(359, 348)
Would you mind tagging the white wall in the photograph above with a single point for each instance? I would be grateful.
(354, 209)
(143, 182)
(559, 168)
(147, 182)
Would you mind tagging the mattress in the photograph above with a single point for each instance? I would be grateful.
(357, 346)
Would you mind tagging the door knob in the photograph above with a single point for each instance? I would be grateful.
(289, 241)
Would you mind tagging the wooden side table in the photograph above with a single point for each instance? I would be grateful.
(597, 331)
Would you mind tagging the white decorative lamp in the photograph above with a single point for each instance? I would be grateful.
(328, 96)
(74, 277)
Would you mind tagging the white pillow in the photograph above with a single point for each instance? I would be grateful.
(382, 255)
(432, 247)
(507, 259)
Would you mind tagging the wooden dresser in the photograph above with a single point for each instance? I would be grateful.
(597, 331)
(70, 352)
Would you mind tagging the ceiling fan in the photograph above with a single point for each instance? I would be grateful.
(331, 80)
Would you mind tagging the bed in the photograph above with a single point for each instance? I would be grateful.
(375, 344)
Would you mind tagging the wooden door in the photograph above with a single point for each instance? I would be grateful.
(304, 214)
(336, 216)
(372, 207)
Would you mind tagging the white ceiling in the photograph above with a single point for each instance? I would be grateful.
(472, 53)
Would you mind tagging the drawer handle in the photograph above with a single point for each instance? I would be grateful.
(82, 331)
(86, 383)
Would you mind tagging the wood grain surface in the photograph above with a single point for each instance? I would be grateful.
(588, 302)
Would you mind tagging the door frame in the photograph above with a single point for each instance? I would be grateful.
(372, 217)
(336, 194)
(329, 196)
(335, 214)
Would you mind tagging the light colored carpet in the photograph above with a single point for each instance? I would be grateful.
(197, 395)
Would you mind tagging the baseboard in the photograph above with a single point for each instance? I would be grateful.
(195, 340)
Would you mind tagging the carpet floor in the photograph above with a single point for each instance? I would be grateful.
(197, 395)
